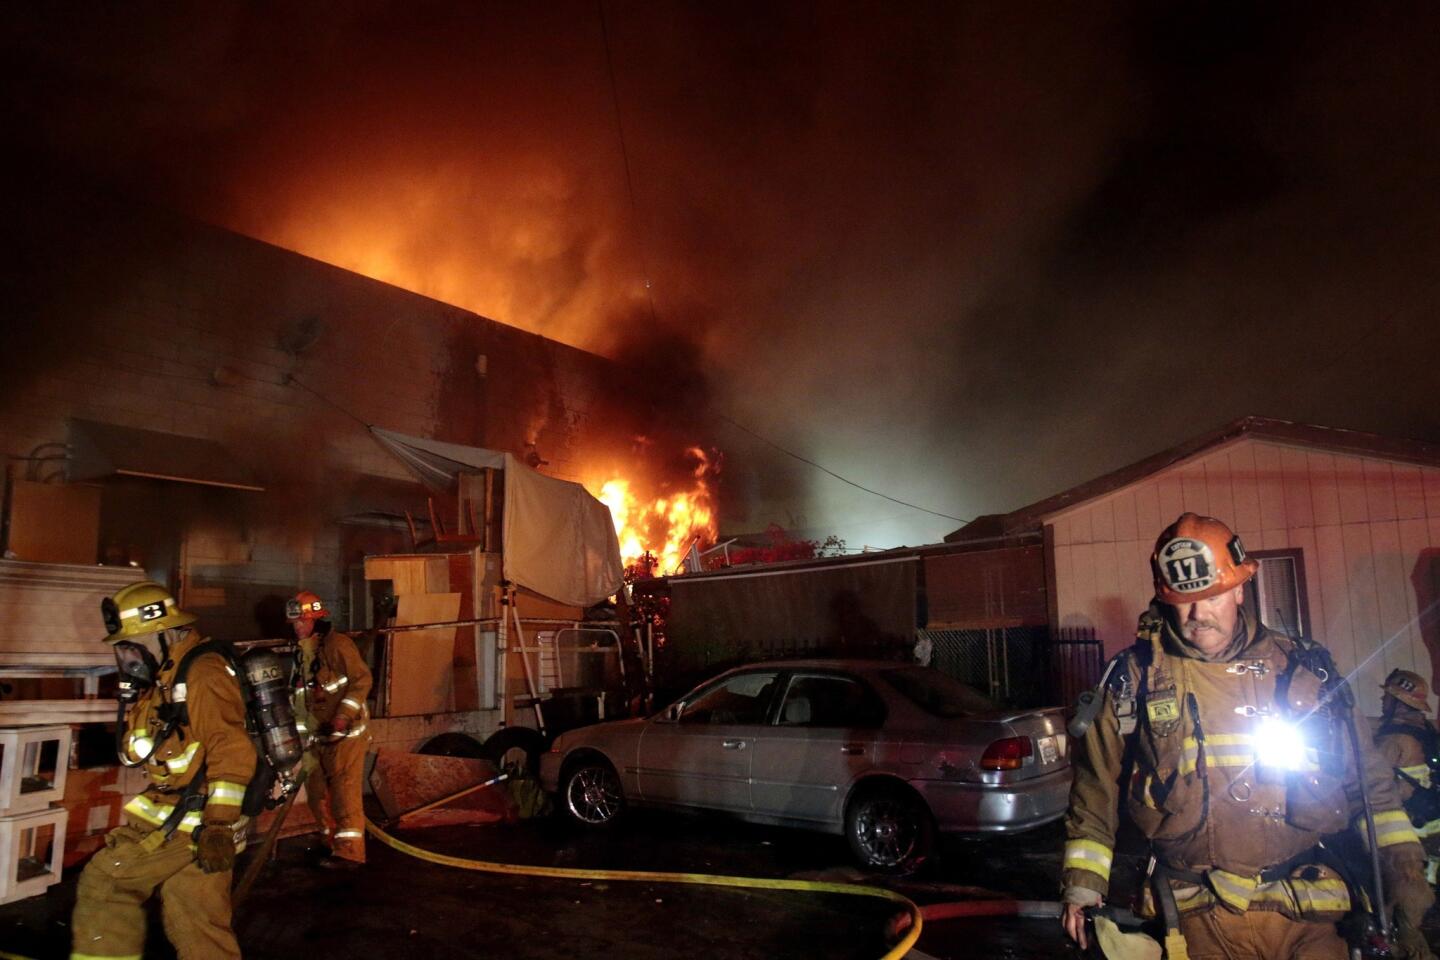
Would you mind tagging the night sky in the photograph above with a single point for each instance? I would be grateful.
(967, 254)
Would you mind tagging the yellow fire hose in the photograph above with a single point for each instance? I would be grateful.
(704, 879)
(654, 876)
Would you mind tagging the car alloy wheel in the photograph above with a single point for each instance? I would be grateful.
(890, 831)
(593, 794)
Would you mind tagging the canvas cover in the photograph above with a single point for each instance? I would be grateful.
(559, 541)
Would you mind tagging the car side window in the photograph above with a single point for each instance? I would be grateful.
(739, 699)
(829, 701)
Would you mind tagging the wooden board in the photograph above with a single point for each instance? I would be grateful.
(533, 606)
(422, 679)
(54, 522)
(411, 574)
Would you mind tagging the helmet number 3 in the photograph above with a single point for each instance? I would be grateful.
(151, 611)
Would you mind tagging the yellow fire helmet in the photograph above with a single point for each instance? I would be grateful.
(139, 609)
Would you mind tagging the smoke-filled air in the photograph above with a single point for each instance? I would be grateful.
(941, 250)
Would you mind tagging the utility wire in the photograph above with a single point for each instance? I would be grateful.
(316, 393)
(625, 158)
(826, 470)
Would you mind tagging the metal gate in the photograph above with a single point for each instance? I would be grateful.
(1076, 662)
(1004, 663)
(1019, 666)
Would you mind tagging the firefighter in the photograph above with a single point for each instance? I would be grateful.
(1234, 767)
(332, 685)
(1409, 741)
(180, 835)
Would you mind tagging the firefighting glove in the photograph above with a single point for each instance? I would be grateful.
(340, 724)
(215, 846)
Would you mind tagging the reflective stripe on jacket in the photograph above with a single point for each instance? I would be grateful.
(335, 680)
(1197, 745)
(214, 739)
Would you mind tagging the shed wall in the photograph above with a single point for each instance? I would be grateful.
(1368, 530)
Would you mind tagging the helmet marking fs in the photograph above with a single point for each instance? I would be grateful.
(140, 609)
(306, 605)
(1197, 558)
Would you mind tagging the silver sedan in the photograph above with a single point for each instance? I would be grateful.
(885, 753)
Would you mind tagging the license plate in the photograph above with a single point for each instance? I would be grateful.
(1048, 750)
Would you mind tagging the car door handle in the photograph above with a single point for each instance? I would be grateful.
(851, 750)
(733, 744)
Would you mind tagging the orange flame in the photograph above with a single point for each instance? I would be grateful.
(664, 524)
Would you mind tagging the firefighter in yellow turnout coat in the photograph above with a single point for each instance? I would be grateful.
(1410, 743)
(181, 834)
(332, 686)
(1230, 773)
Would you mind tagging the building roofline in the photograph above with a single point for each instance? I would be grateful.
(815, 564)
(1333, 439)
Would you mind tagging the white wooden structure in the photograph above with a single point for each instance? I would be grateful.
(1347, 527)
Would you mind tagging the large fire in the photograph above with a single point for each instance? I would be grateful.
(665, 524)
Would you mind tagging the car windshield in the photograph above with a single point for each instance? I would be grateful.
(936, 693)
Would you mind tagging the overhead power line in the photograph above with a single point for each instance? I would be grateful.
(826, 470)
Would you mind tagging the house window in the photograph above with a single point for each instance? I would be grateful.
(1280, 591)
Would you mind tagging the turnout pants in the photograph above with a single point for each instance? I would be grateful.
(1221, 934)
(332, 789)
(109, 917)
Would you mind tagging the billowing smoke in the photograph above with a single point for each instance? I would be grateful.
(964, 254)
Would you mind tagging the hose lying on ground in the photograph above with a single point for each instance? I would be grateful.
(909, 922)
(1000, 907)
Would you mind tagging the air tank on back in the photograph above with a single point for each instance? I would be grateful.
(269, 680)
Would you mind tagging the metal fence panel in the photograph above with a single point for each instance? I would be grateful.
(1007, 664)
(1019, 666)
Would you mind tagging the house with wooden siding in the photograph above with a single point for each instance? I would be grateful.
(1346, 526)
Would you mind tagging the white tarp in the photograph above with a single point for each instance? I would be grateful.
(558, 540)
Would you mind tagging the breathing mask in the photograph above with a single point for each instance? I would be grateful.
(137, 668)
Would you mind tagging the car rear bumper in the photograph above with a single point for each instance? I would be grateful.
(996, 808)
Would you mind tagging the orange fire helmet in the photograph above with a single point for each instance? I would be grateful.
(306, 606)
(1409, 688)
(1197, 558)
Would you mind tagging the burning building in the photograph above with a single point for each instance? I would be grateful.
(185, 403)
(254, 373)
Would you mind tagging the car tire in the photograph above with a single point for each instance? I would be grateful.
(515, 750)
(890, 830)
(590, 792)
(453, 744)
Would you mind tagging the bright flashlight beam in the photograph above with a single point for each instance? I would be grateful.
(1279, 745)
(1434, 605)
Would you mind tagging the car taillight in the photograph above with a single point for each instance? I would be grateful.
(1008, 754)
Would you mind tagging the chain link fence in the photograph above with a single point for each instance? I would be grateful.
(1007, 664)
(1019, 666)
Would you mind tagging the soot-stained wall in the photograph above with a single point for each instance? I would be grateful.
(132, 316)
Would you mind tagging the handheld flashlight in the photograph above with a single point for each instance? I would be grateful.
(1279, 745)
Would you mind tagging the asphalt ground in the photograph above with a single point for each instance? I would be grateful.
(399, 906)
